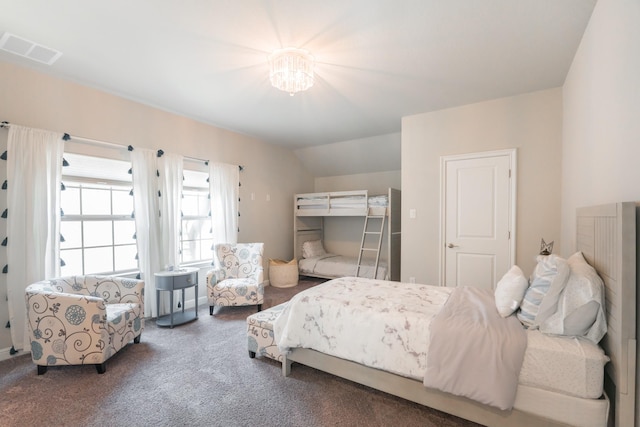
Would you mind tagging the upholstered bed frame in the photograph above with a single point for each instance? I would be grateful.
(607, 237)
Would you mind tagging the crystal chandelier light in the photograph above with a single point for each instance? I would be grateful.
(291, 70)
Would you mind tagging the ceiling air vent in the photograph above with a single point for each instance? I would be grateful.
(28, 49)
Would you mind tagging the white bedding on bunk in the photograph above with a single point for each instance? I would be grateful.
(347, 201)
(332, 265)
(385, 325)
(337, 202)
(382, 200)
(351, 201)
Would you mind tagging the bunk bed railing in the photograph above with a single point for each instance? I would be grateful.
(343, 203)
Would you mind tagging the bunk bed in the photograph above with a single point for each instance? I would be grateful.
(607, 238)
(381, 219)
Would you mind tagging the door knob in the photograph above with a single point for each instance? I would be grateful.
(451, 245)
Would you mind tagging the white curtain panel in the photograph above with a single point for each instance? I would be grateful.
(171, 179)
(146, 205)
(34, 175)
(224, 188)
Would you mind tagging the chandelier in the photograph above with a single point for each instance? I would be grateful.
(291, 70)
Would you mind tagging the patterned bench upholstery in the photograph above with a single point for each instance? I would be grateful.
(260, 338)
(82, 320)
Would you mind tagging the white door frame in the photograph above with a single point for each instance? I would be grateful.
(512, 154)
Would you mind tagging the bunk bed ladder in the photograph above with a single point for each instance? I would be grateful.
(363, 248)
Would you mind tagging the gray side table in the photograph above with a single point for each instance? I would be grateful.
(174, 281)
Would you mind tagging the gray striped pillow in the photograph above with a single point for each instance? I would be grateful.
(546, 283)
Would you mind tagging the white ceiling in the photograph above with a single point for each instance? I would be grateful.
(376, 60)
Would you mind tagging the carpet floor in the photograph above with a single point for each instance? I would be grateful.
(199, 373)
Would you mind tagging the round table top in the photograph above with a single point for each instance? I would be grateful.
(178, 272)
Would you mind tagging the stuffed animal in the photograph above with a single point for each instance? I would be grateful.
(546, 248)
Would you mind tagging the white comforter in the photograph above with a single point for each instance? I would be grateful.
(374, 341)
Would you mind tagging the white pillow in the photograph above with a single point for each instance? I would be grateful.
(581, 306)
(510, 291)
(547, 282)
(312, 248)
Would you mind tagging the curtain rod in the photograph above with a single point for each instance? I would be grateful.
(68, 137)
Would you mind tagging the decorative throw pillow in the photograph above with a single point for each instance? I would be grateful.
(581, 306)
(510, 291)
(312, 248)
(547, 282)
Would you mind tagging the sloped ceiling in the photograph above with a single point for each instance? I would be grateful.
(374, 154)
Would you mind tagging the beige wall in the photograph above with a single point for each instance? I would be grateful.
(356, 156)
(374, 183)
(532, 123)
(33, 99)
(601, 139)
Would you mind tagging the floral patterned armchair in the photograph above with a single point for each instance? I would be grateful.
(81, 320)
(238, 279)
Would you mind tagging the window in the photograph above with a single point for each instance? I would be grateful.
(195, 234)
(97, 226)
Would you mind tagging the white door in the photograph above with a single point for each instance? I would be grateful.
(478, 215)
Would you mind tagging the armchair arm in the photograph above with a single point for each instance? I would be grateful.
(214, 276)
(258, 275)
(65, 328)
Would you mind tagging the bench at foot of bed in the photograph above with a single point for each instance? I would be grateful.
(260, 338)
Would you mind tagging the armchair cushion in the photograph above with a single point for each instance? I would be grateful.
(238, 292)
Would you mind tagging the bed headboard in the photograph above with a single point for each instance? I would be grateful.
(606, 235)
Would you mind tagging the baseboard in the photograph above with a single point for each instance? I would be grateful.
(201, 301)
(5, 353)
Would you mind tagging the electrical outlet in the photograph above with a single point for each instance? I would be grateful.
(412, 280)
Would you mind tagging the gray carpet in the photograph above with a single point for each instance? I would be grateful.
(199, 374)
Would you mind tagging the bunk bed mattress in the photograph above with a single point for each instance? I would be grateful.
(570, 367)
(311, 202)
(332, 265)
(351, 201)
(347, 201)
